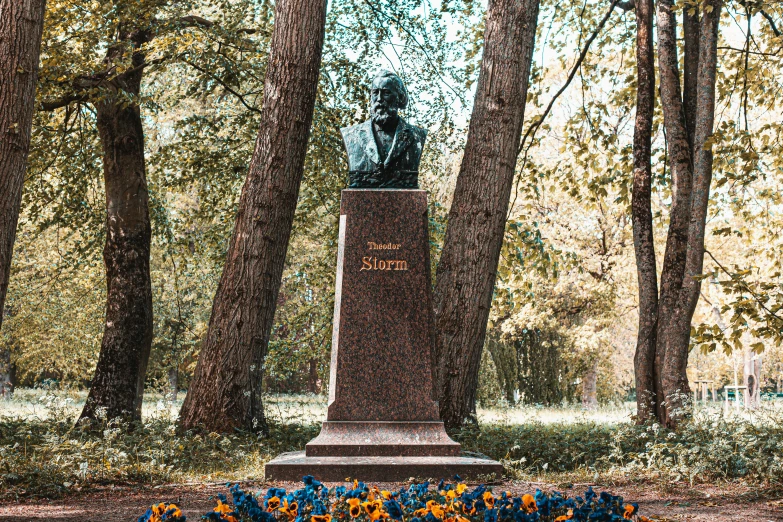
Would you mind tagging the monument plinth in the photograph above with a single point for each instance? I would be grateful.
(382, 423)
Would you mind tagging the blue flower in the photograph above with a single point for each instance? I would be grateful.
(394, 509)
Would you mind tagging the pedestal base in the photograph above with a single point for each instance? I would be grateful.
(293, 466)
(382, 439)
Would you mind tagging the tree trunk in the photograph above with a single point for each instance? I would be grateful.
(641, 209)
(312, 376)
(21, 26)
(590, 387)
(173, 384)
(682, 179)
(466, 272)
(675, 378)
(226, 389)
(118, 383)
(690, 30)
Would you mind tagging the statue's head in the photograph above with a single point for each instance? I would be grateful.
(388, 96)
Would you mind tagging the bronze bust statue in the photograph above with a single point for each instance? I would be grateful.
(384, 151)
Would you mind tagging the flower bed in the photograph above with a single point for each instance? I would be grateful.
(417, 503)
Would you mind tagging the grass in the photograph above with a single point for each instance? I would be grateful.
(42, 454)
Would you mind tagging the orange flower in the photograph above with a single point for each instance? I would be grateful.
(222, 508)
(630, 511)
(436, 509)
(489, 500)
(470, 511)
(354, 510)
(374, 509)
(529, 503)
(321, 518)
(289, 509)
(567, 516)
(272, 504)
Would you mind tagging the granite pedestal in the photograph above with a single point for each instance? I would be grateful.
(382, 422)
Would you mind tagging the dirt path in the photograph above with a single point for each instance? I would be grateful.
(677, 502)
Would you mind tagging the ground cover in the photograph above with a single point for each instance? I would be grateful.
(718, 463)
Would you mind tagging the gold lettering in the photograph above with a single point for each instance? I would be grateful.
(373, 263)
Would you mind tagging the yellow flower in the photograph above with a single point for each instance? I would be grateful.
(176, 512)
(470, 511)
(222, 508)
(289, 509)
(385, 494)
(451, 495)
(489, 500)
(354, 509)
(321, 518)
(529, 503)
(374, 509)
(568, 516)
(461, 488)
(435, 508)
(272, 504)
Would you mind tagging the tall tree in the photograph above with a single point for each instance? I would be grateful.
(118, 382)
(466, 272)
(641, 209)
(226, 389)
(21, 26)
(688, 120)
(112, 85)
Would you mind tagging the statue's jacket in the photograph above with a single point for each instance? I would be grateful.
(400, 169)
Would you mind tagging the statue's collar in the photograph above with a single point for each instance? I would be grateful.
(402, 140)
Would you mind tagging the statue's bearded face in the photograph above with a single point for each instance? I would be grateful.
(385, 101)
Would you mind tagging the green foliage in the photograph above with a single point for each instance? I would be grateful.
(49, 456)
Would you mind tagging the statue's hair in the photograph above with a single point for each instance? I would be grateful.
(397, 82)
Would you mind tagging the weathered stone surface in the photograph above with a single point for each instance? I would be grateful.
(293, 466)
(382, 423)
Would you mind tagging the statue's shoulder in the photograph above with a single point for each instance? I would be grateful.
(419, 133)
(357, 131)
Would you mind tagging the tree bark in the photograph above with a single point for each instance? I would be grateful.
(118, 383)
(675, 378)
(641, 209)
(590, 387)
(679, 151)
(226, 389)
(466, 272)
(173, 384)
(21, 27)
(690, 30)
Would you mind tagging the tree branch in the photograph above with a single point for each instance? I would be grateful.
(531, 131)
(771, 21)
(51, 105)
(223, 84)
(744, 285)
